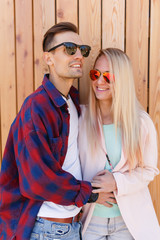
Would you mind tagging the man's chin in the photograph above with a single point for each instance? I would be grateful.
(77, 73)
(76, 76)
(79, 76)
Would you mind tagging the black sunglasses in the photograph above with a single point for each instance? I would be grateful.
(71, 48)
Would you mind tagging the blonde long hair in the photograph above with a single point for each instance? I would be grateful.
(125, 106)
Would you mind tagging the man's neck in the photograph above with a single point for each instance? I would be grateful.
(62, 85)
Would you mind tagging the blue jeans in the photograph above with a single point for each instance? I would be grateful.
(101, 228)
(48, 230)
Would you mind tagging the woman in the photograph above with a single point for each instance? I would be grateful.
(118, 151)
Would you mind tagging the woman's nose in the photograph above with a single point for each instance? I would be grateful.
(101, 79)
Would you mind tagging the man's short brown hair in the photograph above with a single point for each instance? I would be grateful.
(57, 28)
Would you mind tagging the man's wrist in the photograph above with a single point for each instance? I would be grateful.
(93, 197)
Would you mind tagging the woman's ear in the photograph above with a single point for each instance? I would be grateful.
(47, 57)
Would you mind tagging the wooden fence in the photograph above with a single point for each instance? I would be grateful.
(131, 25)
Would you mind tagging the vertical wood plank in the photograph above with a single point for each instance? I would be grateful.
(90, 32)
(44, 18)
(113, 23)
(7, 68)
(67, 12)
(154, 91)
(137, 21)
(24, 49)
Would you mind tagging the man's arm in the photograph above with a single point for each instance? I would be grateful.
(42, 178)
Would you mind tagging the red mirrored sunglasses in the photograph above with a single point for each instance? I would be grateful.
(95, 74)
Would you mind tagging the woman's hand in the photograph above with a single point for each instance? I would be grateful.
(106, 199)
(104, 181)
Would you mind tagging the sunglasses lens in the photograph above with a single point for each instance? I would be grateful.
(94, 74)
(85, 50)
(107, 77)
(71, 48)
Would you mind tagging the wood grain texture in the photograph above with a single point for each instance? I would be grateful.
(7, 68)
(67, 12)
(90, 32)
(113, 23)
(44, 18)
(137, 22)
(154, 91)
(24, 49)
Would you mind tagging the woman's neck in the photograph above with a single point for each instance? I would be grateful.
(106, 112)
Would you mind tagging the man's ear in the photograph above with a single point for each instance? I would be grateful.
(47, 57)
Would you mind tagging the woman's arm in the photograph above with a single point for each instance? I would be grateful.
(124, 183)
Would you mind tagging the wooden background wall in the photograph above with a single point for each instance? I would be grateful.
(131, 25)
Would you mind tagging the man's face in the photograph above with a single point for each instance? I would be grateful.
(66, 66)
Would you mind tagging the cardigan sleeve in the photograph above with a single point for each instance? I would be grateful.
(131, 182)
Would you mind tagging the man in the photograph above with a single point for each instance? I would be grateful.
(41, 189)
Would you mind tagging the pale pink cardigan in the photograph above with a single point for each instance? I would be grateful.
(132, 196)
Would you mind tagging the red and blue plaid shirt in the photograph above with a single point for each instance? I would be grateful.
(31, 169)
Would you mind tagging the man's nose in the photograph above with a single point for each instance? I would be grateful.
(78, 54)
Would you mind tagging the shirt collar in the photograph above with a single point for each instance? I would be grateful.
(55, 95)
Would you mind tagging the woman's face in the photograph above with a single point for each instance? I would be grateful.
(101, 88)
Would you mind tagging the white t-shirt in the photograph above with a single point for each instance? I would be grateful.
(72, 165)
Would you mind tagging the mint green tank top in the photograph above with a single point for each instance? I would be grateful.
(113, 147)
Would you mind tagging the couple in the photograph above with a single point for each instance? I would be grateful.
(42, 189)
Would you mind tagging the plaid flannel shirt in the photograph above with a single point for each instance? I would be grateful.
(31, 169)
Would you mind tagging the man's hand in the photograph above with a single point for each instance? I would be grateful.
(106, 199)
(104, 181)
